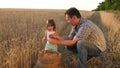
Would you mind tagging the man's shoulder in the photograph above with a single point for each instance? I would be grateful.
(86, 22)
(90, 23)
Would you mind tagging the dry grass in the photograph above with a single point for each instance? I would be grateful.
(21, 31)
(110, 25)
(20, 35)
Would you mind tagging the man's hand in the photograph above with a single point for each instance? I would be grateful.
(54, 36)
(53, 41)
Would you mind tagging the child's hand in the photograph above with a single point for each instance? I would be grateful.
(43, 39)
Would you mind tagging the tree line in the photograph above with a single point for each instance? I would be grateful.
(108, 5)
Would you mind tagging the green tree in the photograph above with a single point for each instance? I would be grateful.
(109, 5)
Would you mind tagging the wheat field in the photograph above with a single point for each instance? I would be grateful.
(21, 31)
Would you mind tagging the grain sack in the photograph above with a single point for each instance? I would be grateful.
(48, 59)
(42, 65)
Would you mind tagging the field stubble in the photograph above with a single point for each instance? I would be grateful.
(21, 31)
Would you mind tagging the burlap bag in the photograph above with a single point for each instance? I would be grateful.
(48, 59)
(42, 65)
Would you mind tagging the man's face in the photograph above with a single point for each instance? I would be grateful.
(69, 19)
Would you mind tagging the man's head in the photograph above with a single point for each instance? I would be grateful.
(73, 16)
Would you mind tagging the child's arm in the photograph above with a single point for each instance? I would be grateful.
(44, 37)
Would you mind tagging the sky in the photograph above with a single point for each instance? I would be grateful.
(51, 4)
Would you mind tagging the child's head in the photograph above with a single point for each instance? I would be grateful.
(50, 24)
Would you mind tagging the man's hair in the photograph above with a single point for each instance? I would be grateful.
(73, 11)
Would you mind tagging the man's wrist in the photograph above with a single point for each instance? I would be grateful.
(59, 42)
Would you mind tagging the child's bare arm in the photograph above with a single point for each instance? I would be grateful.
(44, 37)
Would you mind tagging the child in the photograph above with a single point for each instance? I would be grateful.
(50, 25)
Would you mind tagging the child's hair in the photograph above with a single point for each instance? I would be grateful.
(51, 22)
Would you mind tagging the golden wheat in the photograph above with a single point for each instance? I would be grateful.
(21, 31)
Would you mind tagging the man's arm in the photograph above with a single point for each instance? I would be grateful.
(64, 42)
(56, 36)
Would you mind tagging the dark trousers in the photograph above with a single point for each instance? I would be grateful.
(85, 51)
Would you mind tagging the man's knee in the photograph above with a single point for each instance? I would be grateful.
(80, 44)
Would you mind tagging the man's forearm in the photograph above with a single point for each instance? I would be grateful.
(66, 42)
(60, 38)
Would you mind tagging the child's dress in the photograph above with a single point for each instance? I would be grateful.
(48, 46)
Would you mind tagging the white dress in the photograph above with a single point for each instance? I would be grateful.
(48, 46)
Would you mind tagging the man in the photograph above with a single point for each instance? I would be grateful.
(85, 39)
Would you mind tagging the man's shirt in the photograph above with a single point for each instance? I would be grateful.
(88, 31)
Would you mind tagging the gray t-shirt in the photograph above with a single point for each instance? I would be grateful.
(88, 31)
